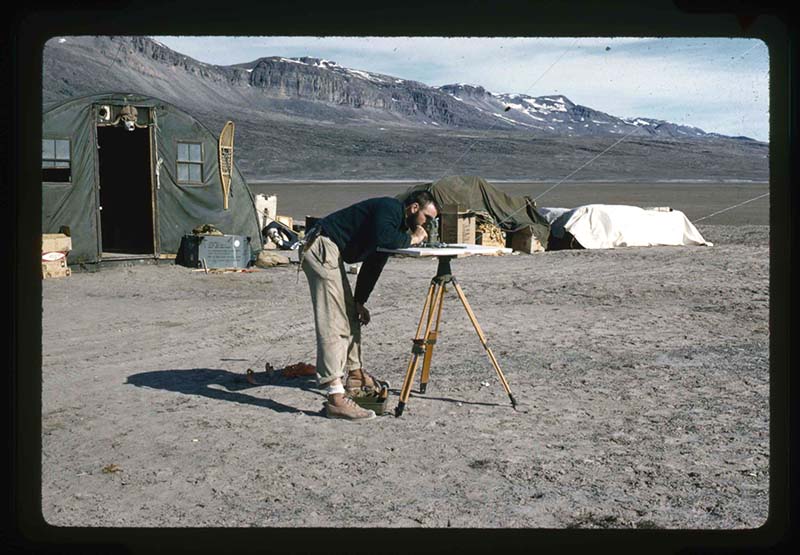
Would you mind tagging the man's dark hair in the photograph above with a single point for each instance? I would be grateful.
(423, 198)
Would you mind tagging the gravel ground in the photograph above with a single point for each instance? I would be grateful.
(642, 376)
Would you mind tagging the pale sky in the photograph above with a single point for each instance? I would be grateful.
(720, 85)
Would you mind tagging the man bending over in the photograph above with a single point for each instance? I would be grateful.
(351, 235)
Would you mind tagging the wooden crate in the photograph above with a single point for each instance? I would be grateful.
(288, 221)
(523, 240)
(488, 241)
(457, 226)
(489, 235)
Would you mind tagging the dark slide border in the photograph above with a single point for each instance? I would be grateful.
(30, 26)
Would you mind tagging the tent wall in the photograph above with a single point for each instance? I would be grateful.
(73, 204)
(179, 207)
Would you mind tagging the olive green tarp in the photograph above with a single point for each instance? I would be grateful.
(474, 193)
(150, 198)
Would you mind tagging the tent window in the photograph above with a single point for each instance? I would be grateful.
(190, 163)
(56, 161)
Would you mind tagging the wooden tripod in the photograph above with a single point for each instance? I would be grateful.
(424, 342)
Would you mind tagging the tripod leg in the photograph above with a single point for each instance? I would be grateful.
(430, 341)
(416, 350)
(477, 327)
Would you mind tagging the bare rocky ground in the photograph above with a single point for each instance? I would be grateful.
(643, 374)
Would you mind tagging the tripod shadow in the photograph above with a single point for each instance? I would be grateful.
(222, 385)
(418, 395)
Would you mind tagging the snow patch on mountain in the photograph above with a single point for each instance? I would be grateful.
(292, 61)
(365, 75)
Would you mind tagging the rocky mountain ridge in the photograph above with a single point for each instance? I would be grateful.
(303, 117)
(556, 113)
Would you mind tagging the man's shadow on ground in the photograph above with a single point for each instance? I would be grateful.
(231, 387)
(223, 385)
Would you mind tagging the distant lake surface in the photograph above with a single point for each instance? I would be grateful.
(695, 199)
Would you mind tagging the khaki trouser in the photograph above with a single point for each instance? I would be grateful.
(335, 317)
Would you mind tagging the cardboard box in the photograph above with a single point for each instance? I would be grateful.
(457, 226)
(56, 242)
(55, 247)
(55, 268)
(523, 240)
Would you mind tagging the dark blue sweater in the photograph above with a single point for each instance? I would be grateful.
(360, 229)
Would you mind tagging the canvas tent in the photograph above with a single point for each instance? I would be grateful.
(476, 194)
(605, 226)
(130, 175)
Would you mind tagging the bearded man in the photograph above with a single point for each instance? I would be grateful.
(350, 235)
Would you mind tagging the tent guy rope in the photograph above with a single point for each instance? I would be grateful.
(732, 207)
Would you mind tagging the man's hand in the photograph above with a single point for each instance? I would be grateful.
(363, 314)
(418, 235)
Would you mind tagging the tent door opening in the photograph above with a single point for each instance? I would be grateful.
(126, 191)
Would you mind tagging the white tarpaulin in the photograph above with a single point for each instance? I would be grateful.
(605, 226)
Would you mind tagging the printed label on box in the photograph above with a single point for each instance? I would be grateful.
(53, 256)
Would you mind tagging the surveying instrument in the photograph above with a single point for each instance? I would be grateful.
(424, 341)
